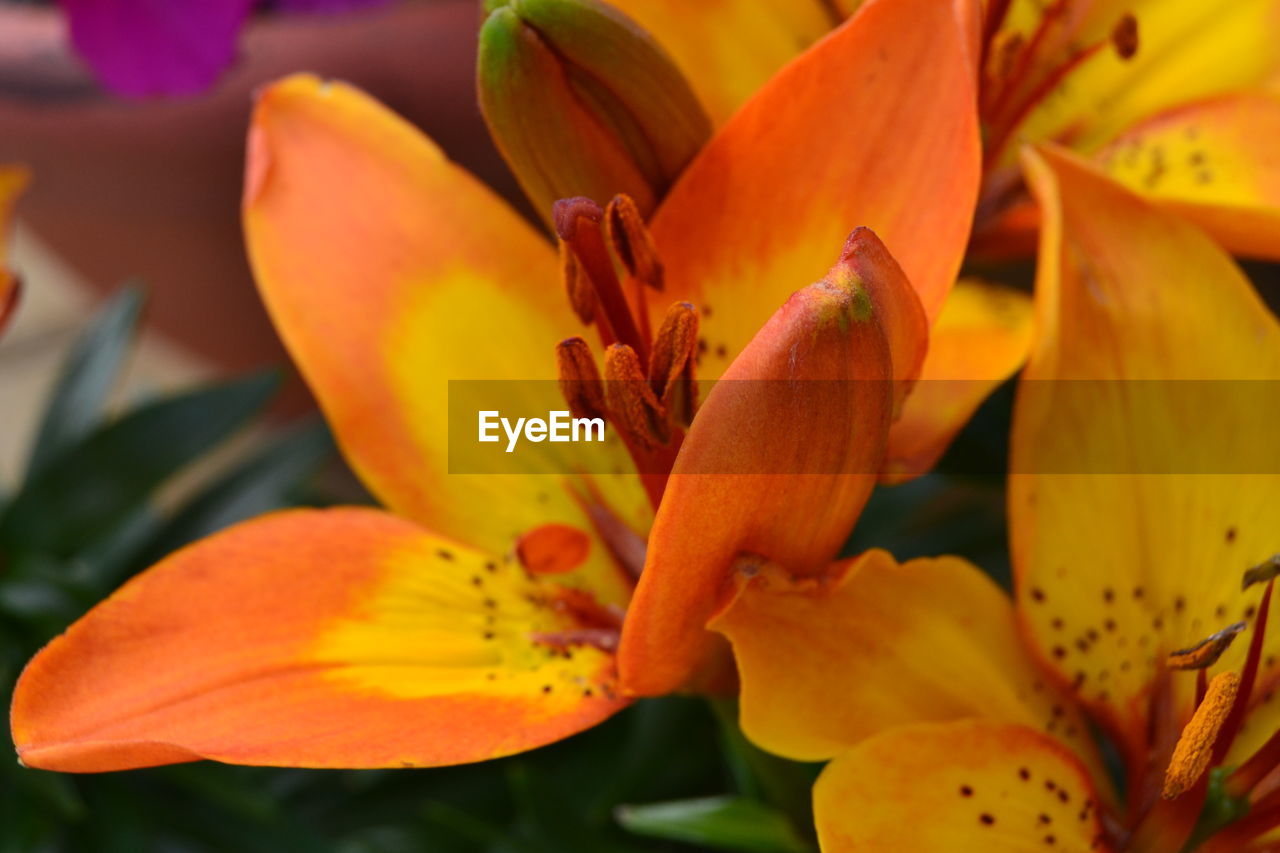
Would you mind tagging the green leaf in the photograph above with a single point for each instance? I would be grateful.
(77, 498)
(721, 823)
(87, 378)
(266, 480)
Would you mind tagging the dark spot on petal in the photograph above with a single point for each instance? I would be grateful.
(444, 553)
(966, 791)
(1037, 594)
(987, 819)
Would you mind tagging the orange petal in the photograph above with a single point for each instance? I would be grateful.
(779, 460)
(728, 49)
(825, 665)
(13, 180)
(973, 785)
(1143, 454)
(339, 638)
(982, 336)
(389, 272)
(1214, 162)
(856, 132)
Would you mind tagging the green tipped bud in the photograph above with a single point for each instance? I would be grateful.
(583, 102)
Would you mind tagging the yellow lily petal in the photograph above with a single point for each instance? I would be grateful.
(316, 638)
(1213, 162)
(389, 272)
(1144, 465)
(727, 49)
(1185, 52)
(982, 336)
(957, 787)
(826, 665)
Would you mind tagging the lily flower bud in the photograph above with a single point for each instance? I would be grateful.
(583, 102)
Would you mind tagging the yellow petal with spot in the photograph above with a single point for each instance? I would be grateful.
(826, 665)
(315, 638)
(1186, 52)
(1144, 462)
(958, 787)
(1213, 162)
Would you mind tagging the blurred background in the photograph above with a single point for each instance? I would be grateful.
(139, 323)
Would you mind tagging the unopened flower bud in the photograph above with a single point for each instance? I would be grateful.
(583, 102)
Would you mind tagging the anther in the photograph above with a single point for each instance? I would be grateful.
(634, 409)
(671, 365)
(580, 383)
(1195, 747)
(1205, 653)
(632, 243)
(1263, 572)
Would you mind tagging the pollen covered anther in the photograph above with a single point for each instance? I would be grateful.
(632, 242)
(1195, 747)
(633, 408)
(1205, 653)
(580, 382)
(671, 364)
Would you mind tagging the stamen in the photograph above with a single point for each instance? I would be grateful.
(578, 224)
(1263, 572)
(1205, 653)
(582, 297)
(1195, 748)
(579, 380)
(632, 242)
(671, 366)
(634, 409)
(1248, 675)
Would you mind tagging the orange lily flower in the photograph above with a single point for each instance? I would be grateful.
(477, 616)
(1144, 483)
(13, 179)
